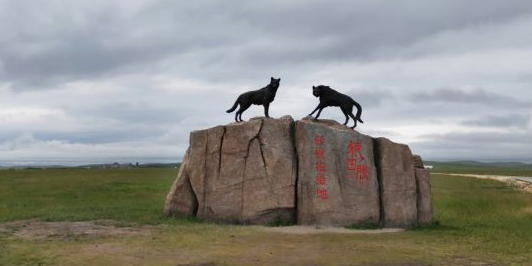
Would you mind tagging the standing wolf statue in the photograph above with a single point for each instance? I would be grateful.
(330, 97)
(262, 96)
(304, 172)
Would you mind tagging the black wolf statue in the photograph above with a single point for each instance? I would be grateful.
(263, 97)
(330, 97)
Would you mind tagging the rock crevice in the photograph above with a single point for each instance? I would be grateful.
(306, 171)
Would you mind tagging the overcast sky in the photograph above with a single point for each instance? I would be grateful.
(101, 81)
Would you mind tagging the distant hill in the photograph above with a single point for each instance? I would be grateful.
(473, 167)
(128, 166)
(475, 163)
(97, 166)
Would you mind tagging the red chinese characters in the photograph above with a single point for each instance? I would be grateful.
(321, 167)
(357, 168)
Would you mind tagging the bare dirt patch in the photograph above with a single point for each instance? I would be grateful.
(528, 210)
(298, 229)
(201, 264)
(35, 229)
(400, 264)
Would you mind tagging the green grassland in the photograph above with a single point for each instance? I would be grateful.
(479, 222)
(465, 167)
(75, 194)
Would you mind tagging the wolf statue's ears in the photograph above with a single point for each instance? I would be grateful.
(272, 78)
(313, 86)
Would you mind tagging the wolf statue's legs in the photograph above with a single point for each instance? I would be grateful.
(318, 114)
(346, 111)
(346, 119)
(354, 118)
(266, 107)
(243, 107)
(318, 107)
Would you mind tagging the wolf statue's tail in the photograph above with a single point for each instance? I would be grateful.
(359, 111)
(234, 106)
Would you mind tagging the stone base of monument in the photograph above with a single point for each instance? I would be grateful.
(300, 172)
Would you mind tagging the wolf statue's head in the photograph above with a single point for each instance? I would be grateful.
(318, 90)
(274, 83)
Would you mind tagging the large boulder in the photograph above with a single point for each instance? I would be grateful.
(397, 183)
(240, 173)
(181, 200)
(418, 162)
(312, 172)
(424, 201)
(337, 181)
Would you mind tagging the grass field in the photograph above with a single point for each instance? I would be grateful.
(479, 222)
(75, 194)
(479, 168)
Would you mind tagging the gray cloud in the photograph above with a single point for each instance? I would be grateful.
(108, 38)
(133, 78)
(127, 112)
(458, 96)
(371, 98)
(510, 120)
(488, 146)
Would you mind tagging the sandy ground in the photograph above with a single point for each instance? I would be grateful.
(523, 183)
(303, 230)
(527, 179)
(131, 253)
(35, 229)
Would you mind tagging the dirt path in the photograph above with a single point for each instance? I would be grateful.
(36, 229)
(520, 182)
(304, 230)
(210, 245)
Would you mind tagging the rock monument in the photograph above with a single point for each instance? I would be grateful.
(306, 172)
